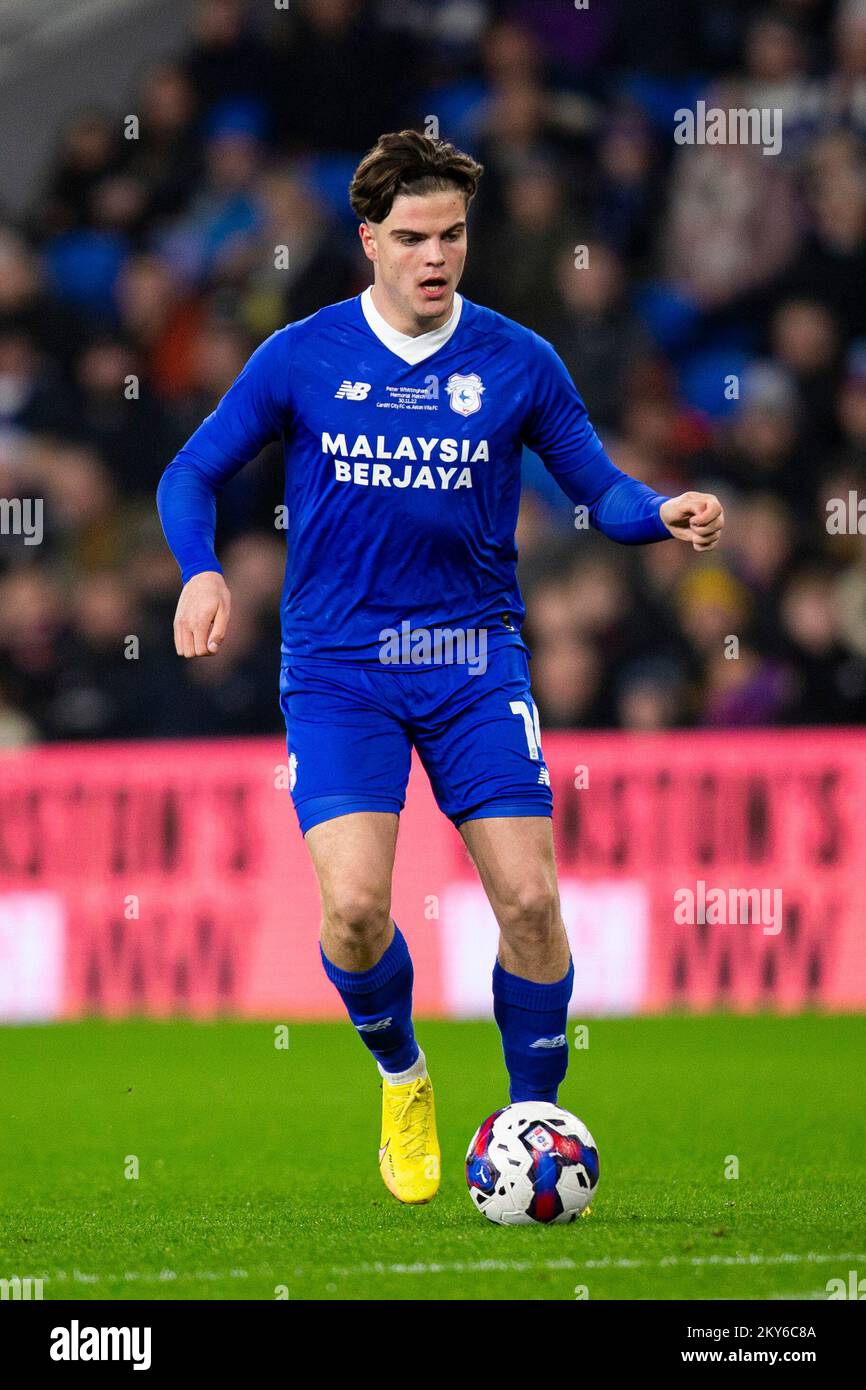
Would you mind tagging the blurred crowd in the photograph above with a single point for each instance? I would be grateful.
(709, 301)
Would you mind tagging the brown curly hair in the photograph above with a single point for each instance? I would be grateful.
(408, 162)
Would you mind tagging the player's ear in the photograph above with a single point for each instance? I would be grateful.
(368, 241)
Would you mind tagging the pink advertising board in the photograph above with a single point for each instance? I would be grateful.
(697, 871)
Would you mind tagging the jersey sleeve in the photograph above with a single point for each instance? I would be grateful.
(558, 429)
(253, 412)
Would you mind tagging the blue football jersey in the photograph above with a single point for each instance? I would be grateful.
(402, 482)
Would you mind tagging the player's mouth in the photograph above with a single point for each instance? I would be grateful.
(434, 287)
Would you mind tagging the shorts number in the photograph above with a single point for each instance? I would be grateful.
(531, 725)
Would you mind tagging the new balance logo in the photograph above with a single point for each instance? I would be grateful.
(374, 1027)
(353, 391)
(558, 1041)
(544, 778)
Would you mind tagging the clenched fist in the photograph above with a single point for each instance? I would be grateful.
(695, 517)
(202, 615)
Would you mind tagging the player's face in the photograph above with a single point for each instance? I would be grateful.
(418, 251)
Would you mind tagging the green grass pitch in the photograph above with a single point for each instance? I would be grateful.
(257, 1166)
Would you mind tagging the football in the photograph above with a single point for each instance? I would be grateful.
(532, 1163)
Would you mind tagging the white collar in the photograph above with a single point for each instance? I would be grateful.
(412, 350)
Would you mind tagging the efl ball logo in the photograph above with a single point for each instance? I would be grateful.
(464, 393)
(540, 1139)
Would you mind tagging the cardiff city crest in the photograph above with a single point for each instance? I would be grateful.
(464, 393)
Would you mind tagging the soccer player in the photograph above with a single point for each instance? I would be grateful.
(403, 413)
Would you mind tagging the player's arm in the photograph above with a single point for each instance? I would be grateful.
(253, 412)
(558, 429)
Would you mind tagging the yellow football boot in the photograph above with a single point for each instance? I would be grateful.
(409, 1158)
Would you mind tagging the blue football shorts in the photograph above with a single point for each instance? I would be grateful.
(351, 731)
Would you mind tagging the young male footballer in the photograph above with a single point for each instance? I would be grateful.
(403, 413)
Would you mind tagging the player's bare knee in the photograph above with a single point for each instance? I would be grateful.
(357, 915)
(529, 917)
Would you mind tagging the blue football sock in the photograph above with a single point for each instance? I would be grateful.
(379, 1003)
(532, 1020)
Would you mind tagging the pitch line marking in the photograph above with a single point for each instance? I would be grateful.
(522, 1266)
(167, 1276)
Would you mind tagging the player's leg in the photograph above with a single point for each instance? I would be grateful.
(364, 953)
(366, 958)
(533, 974)
(349, 756)
(481, 745)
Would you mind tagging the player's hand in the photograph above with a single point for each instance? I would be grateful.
(695, 517)
(202, 615)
